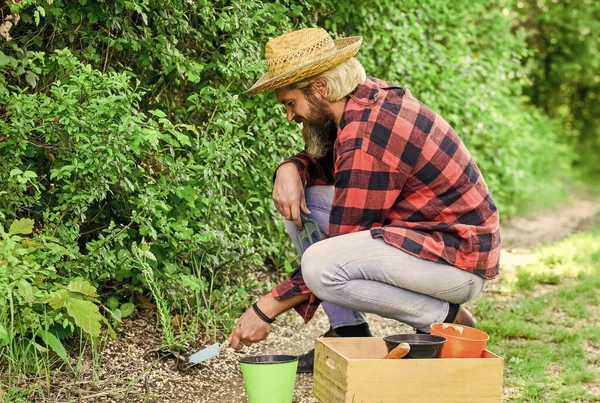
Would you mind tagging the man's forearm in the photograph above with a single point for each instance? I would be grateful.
(272, 307)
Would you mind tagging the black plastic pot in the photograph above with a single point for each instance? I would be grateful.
(269, 359)
(421, 345)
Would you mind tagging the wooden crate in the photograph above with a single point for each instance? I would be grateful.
(351, 370)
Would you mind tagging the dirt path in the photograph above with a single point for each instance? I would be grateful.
(130, 376)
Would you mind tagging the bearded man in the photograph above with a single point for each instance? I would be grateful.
(412, 232)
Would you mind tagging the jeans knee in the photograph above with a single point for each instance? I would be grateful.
(313, 269)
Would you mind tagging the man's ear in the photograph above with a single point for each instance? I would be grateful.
(320, 86)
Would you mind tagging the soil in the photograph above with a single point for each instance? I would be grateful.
(130, 370)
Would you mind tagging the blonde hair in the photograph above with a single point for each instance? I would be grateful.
(341, 80)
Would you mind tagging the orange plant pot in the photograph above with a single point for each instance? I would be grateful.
(462, 341)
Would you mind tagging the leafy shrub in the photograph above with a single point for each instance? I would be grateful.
(107, 176)
(564, 60)
(35, 300)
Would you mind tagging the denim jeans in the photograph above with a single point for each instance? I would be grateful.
(318, 201)
(359, 273)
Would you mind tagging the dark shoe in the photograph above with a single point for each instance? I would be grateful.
(306, 362)
(464, 317)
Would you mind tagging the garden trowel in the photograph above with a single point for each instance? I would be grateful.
(310, 232)
(207, 353)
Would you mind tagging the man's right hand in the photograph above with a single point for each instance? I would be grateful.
(288, 193)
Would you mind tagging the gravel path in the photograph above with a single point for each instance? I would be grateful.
(128, 371)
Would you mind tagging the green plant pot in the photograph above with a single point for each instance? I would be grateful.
(269, 378)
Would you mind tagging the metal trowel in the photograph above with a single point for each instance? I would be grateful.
(207, 353)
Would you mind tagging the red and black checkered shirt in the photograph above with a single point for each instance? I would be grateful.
(401, 171)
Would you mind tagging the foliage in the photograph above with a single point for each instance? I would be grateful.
(565, 60)
(122, 127)
(35, 301)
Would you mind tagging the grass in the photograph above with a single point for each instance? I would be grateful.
(546, 324)
(29, 368)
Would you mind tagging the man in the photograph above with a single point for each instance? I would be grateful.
(412, 230)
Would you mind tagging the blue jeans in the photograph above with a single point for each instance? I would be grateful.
(356, 273)
(318, 201)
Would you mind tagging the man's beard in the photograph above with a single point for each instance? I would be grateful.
(319, 129)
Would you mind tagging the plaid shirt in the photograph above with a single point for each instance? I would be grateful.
(400, 171)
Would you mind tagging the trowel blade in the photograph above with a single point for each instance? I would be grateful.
(206, 353)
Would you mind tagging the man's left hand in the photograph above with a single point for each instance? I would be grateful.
(249, 329)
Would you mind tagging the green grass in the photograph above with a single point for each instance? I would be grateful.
(547, 325)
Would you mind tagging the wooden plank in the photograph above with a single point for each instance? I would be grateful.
(357, 347)
(423, 381)
(357, 373)
(330, 374)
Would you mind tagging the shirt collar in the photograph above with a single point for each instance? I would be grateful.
(366, 93)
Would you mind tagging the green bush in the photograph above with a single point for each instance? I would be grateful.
(123, 131)
(99, 175)
(564, 62)
(35, 300)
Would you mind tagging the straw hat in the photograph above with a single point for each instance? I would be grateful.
(301, 54)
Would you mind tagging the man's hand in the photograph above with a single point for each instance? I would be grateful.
(249, 329)
(252, 329)
(288, 194)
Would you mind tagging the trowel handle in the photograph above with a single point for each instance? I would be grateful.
(310, 232)
(399, 351)
(304, 218)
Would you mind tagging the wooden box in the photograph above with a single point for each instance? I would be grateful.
(351, 370)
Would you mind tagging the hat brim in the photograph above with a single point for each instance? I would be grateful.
(346, 48)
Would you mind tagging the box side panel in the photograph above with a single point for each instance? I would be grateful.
(351, 370)
(425, 381)
(329, 379)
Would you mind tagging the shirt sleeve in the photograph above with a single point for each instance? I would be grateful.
(293, 286)
(312, 171)
(366, 189)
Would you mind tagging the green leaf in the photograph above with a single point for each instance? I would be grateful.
(23, 226)
(4, 337)
(39, 347)
(127, 309)
(149, 255)
(26, 291)
(15, 171)
(112, 303)
(4, 60)
(54, 343)
(83, 287)
(158, 113)
(31, 79)
(86, 316)
(29, 174)
(58, 300)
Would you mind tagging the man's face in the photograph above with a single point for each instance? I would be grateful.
(319, 129)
